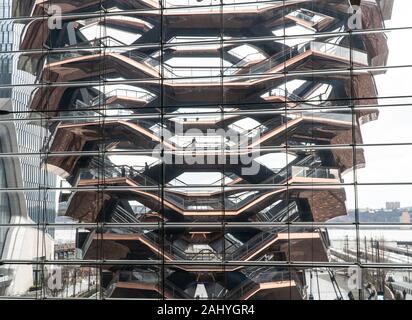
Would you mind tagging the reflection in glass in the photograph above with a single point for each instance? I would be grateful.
(203, 150)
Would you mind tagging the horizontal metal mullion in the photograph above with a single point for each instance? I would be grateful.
(281, 109)
(198, 42)
(149, 152)
(162, 81)
(166, 45)
(105, 188)
(284, 110)
(223, 264)
(222, 224)
(221, 152)
(162, 7)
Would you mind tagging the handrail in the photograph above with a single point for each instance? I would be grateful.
(285, 93)
(88, 241)
(323, 47)
(178, 180)
(233, 202)
(264, 127)
(121, 215)
(175, 251)
(231, 253)
(95, 45)
(117, 171)
(293, 169)
(231, 69)
(103, 40)
(167, 245)
(112, 285)
(237, 254)
(214, 183)
(260, 67)
(134, 93)
(213, 5)
(287, 209)
(357, 55)
(204, 253)
(129, 276)
(241, 251)
(269, 276)
(244, 288)
(322, 173)
(150, 61)
(174, 289)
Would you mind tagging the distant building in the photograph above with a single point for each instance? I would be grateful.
(405, 217)
(393, 205)
(20, 172)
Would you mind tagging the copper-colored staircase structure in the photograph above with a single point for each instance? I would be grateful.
(129, 99)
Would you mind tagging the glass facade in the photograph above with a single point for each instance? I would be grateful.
(202, 149)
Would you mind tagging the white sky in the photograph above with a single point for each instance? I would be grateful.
(390, 164)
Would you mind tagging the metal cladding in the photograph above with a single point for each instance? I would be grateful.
(134, 84)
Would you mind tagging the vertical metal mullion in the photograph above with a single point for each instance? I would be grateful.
(163, 168)
(223, 153)
(100, 170)
(354, 157)
(285, 105)
(40, 227)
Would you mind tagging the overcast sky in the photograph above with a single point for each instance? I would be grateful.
(390, 164)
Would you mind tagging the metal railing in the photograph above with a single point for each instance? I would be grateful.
(204, 204)
(215, 5)
(239, 65)
(280, 212)
(204, 255)
(280, 92)
(171, 288)
(129, 93)
(233, 202)
(95, 46)
(235, 252)
(197, 74)
(103, 170)
(121, 215)
(251, 284)
(322, 47)
(320, 173)
(166, 245)
(106, 41)
(345, 53)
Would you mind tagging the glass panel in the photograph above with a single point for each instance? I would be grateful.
(184, 149)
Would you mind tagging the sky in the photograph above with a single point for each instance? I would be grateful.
(390, 164)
